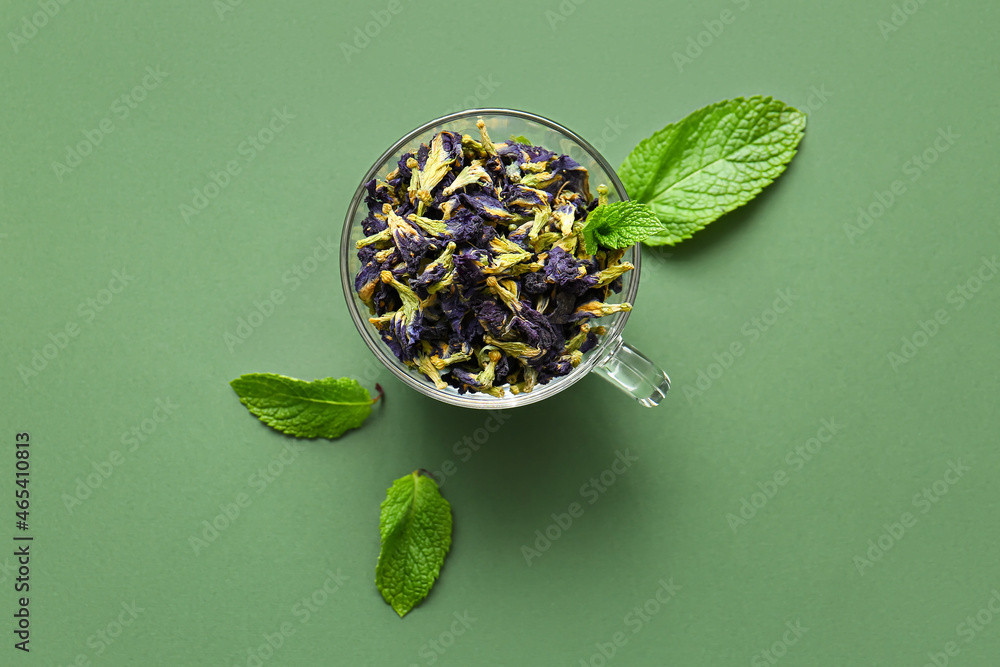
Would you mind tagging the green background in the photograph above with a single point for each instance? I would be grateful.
(875, 99)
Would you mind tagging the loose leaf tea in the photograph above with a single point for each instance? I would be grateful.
(319, 409)
(715, 160)
(415, 525)
(475, 269)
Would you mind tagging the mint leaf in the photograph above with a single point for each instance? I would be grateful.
(415, 525)
(712, 162)
(619, 225)
(318, 409)
(520, 139)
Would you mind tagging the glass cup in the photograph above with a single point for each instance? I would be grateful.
(612, 358)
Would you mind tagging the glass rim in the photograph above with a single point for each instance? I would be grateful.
(540, 392)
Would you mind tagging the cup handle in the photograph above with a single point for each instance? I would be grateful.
(631, 371)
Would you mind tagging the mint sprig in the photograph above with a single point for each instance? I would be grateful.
(324, 408)
(618, 225)
(715, 160)
(415, 527)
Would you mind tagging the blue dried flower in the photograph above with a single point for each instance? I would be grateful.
(536, 329)
(469, 264)
(486, 206)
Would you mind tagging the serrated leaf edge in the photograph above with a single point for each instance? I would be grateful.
(276, 424)
(798, 118)
(399, 608)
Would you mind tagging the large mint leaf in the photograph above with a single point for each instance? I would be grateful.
(619, 225)
(415, 524)
(712, 162)
(318, 409)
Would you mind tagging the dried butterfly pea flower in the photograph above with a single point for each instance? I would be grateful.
(563, 267)
(438, 274)
(402, 331)
(411, 243)
(535, 329)
(493, 317)
(535, 283)
(450, 355)
(610, 274)
(489, 358)
(445, 150)
(526, 385)
(516, 349)
(487, 207)
(426, 366)
(598, 309)
(487, 143)
(529, 158)
(522, 197)
(429, 226)
(570, 174)
(472, 174)
(473, 255)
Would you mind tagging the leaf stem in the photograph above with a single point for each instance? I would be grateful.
(378, 388)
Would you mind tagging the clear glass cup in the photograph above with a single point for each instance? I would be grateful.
(612, 358)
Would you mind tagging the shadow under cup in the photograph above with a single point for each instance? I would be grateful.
(612, 358)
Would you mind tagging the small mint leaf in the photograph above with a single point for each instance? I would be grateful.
(715, 160)
(415, 527)
(520, 139)
(318, 409)
(619, 225)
